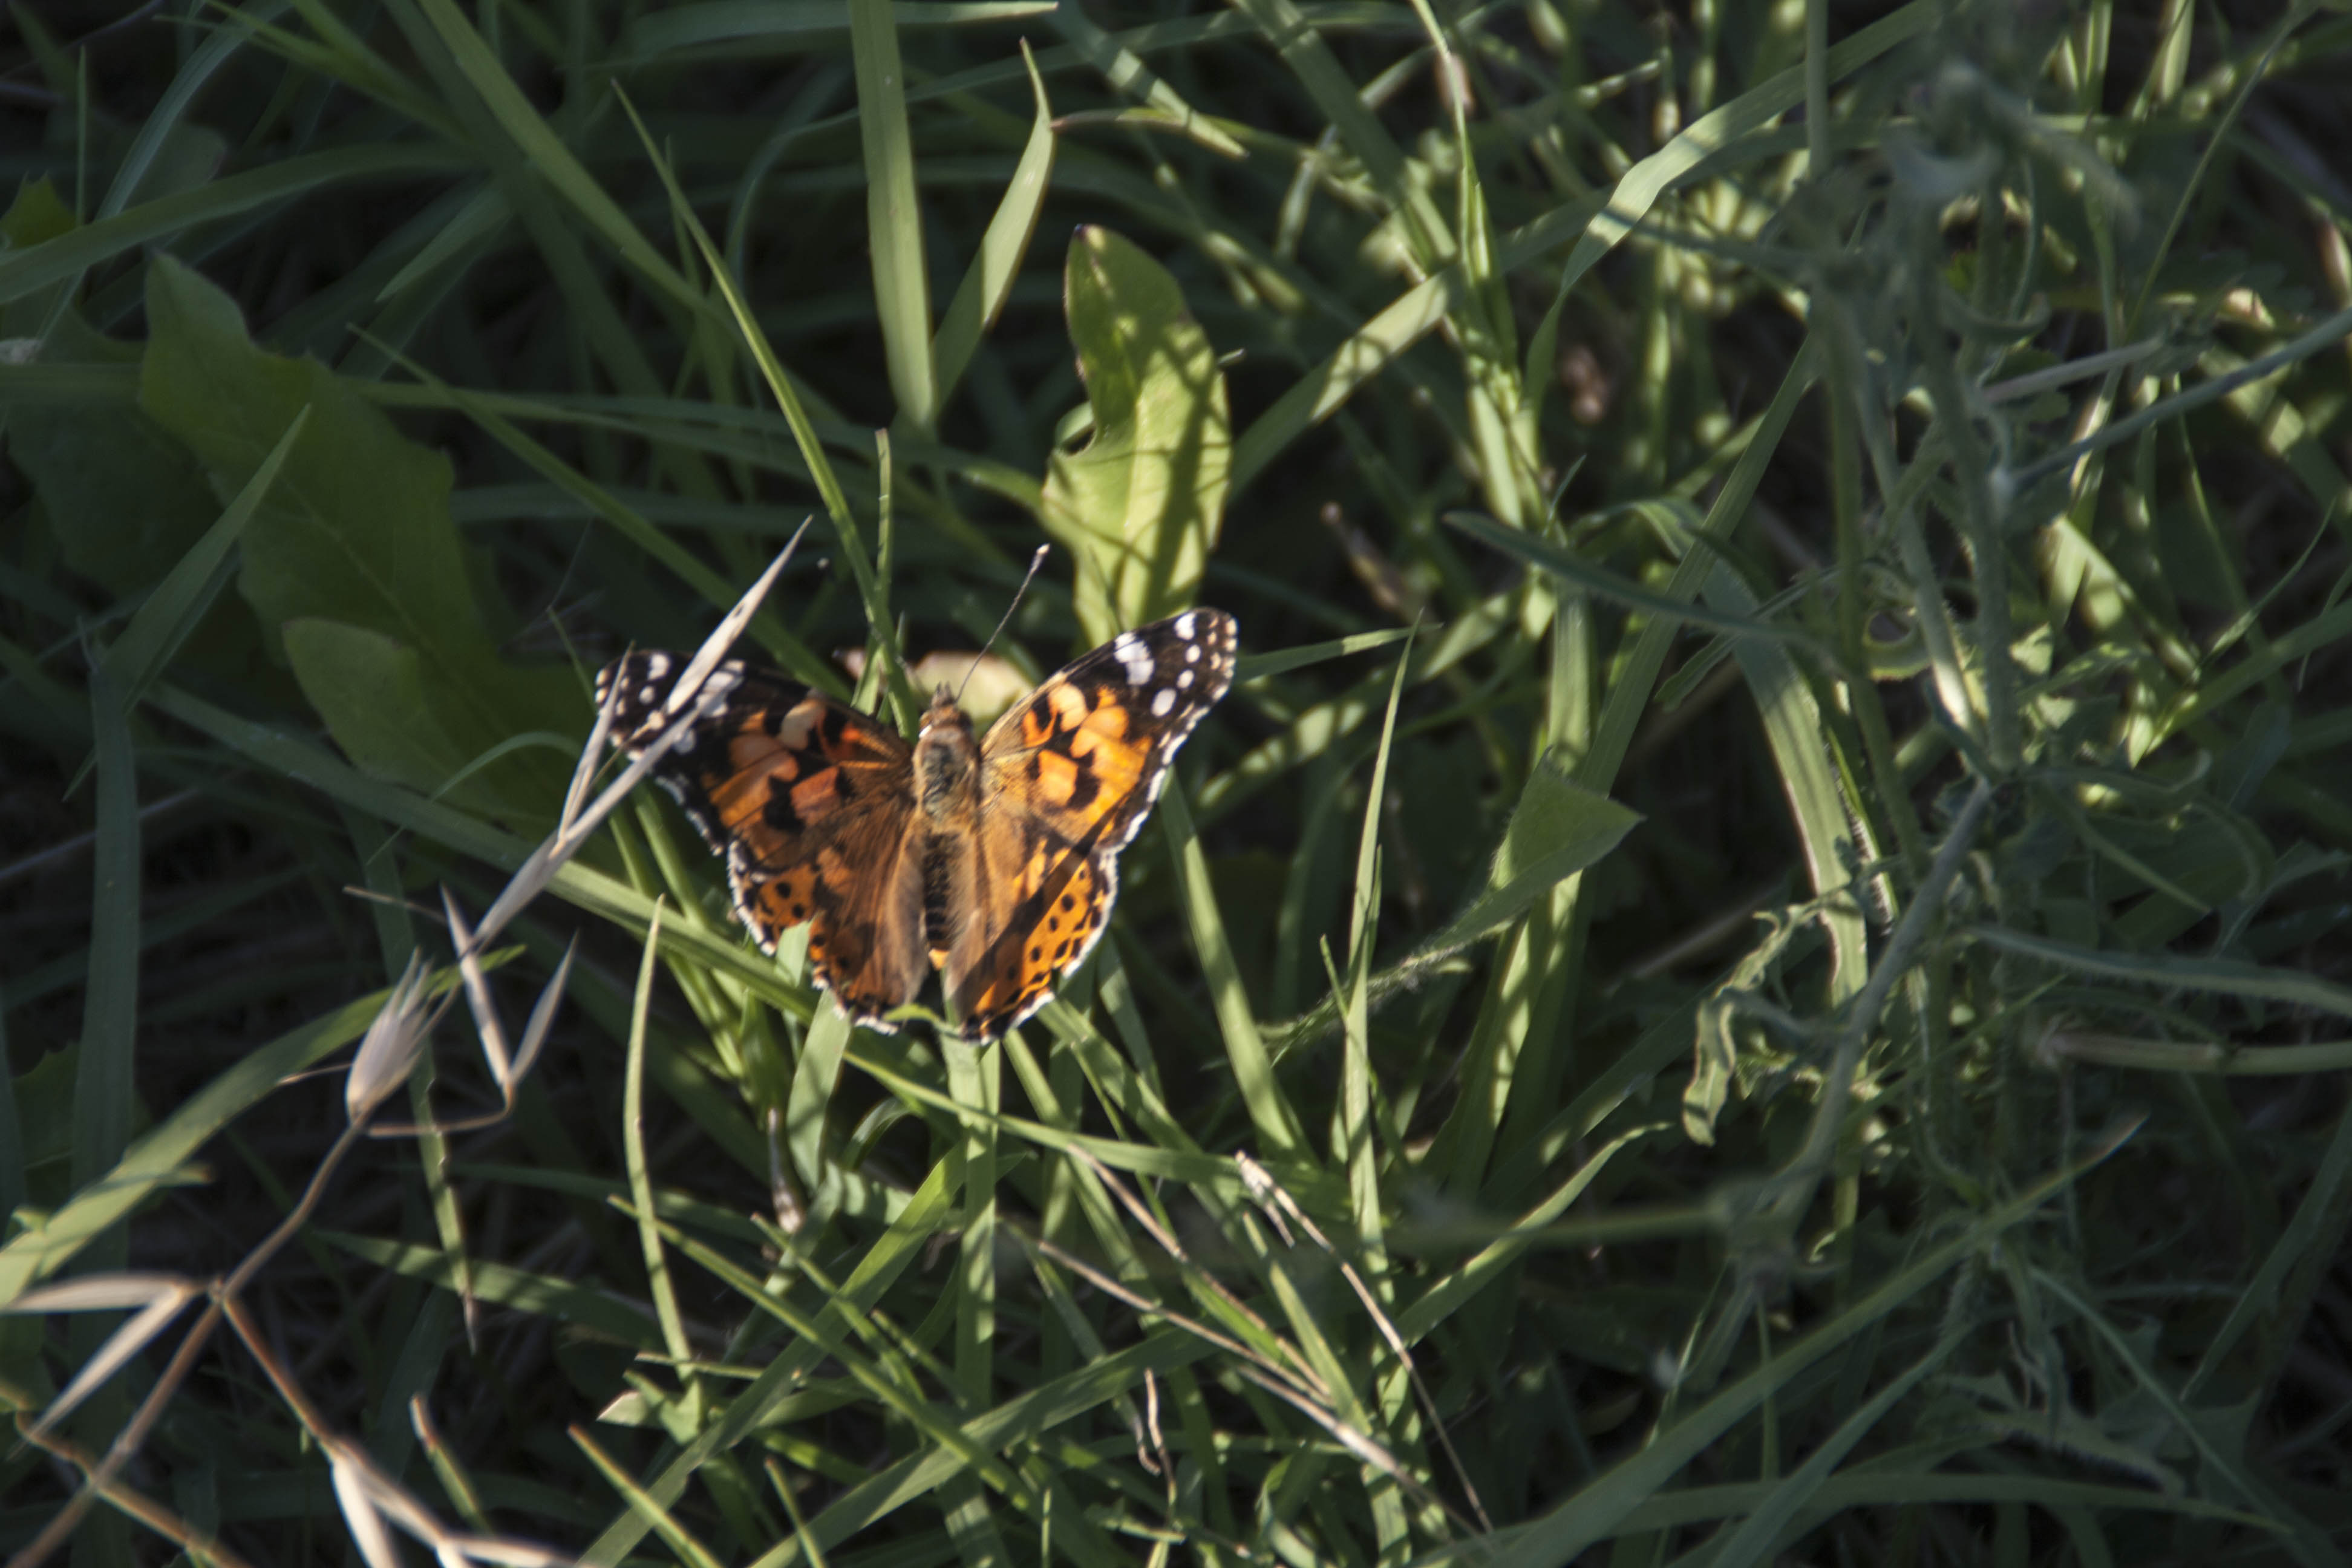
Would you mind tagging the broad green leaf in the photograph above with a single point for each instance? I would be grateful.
(356, 532)
(122, 498)
(370, 691)
(1140, 504)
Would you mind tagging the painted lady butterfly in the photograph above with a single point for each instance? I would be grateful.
(994, 857)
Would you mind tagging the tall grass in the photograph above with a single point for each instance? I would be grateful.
(1753, 970)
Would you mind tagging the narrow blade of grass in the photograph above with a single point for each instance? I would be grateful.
(894, 218)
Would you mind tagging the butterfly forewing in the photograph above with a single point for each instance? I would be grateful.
(1068, 774)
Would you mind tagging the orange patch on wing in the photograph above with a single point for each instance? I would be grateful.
(1034, 872)
(1036, 724)
(776, 904)
(752, 760)
(1117, 767)
(818, 795)
(1057, 777)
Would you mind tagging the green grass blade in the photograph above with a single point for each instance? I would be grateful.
(988, 282)
(1598, 1508)
(29, 271)
(2170, 971)
(160, 1155)
(1354, 1148)
(632, 1147)
(927, 1214)
(836, 501)
(545, 153)
(975, 1079)
(1761, 1530)
(1026, 1415)
(2282, 1286)
(1638, 190)
(894, 218)
(106, 1073)
(2306, 1541)
(177, 603)
(1667, 607)
(1270, 1111)
(1817, 801)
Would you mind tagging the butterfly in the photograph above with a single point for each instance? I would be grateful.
(994, 856)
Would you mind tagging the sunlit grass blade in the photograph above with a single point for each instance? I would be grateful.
(1270, 1111)
(893, 220)
(988, 281)
(1817, 801)
(837, 502)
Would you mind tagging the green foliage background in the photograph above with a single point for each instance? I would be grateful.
(1754, 970)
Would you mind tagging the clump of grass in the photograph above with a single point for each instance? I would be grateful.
(1753, 967)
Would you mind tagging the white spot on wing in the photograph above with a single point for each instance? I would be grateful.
(1163, 702)
(1134, 658)
(1184, 680)
(1184, 625)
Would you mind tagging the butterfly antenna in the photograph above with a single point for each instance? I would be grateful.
(1034, 562)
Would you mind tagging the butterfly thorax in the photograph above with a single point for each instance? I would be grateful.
(946, 761)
